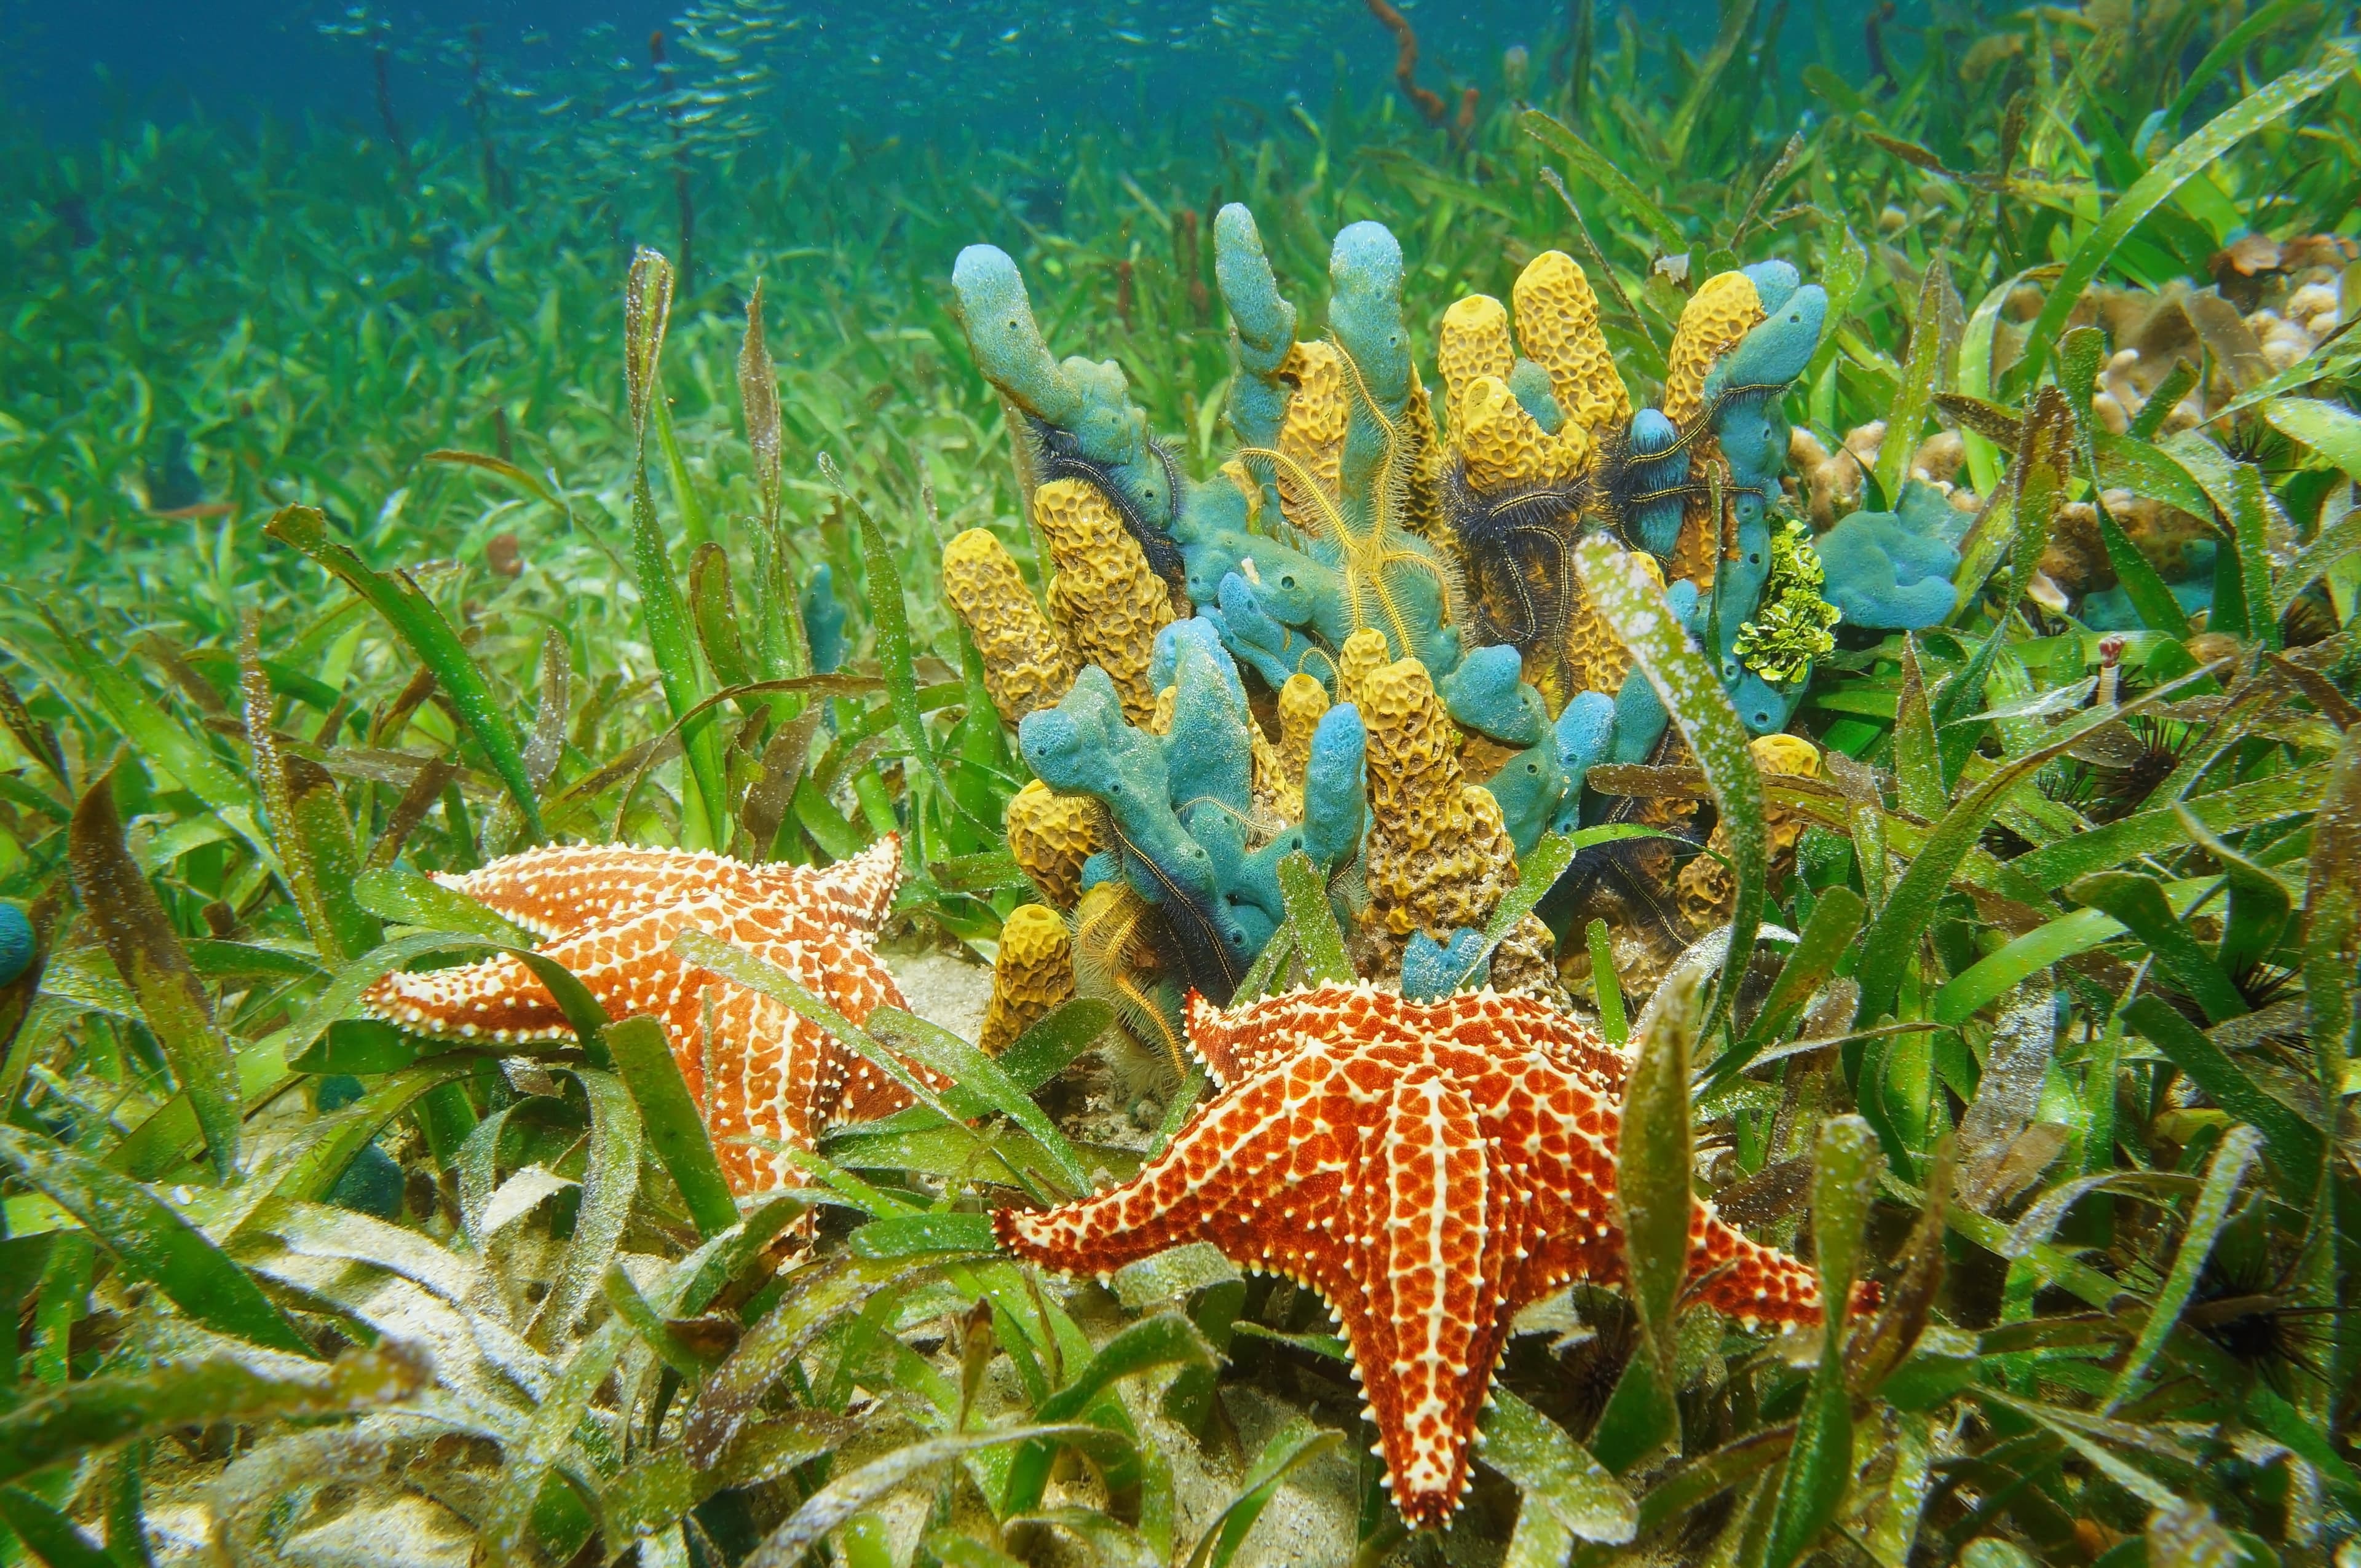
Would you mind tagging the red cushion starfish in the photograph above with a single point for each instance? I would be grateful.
(761, 1073)
(1431, 1169)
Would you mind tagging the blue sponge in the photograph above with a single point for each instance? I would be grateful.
(1891, 571)
(1432, 971)
(16, 943)
(1486, 693)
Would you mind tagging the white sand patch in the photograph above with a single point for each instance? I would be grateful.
(948, 992)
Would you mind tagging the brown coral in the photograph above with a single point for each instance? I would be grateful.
(1830, 482)
(1052, 834)
(1557, 324)
(1107, 599)
(2076, 556)
(1025, 665)
(1526, 961)
(1033, 973)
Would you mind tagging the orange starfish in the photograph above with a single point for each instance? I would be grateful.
(767, 1079)
(1431, 1169)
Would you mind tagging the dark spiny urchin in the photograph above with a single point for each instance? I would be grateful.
(2247, 1311)
(2107, 790)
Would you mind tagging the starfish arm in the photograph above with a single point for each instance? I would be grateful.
(1210, 1184)
(499, 1000)
(857, 983)
(858, 892)
(1417, 1284)
(1239, 1044)
(1579, 1050)
(755, 1076)
(557, 889)
(627, 965)
(1745, 1279)
(767, 1079)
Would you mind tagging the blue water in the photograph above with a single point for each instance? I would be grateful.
(1007, 71)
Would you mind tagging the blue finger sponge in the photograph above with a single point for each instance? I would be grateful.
(1337, 788)
(1656, 524)
(1180, 803)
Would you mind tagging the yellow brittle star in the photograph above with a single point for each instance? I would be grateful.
(1374, 554)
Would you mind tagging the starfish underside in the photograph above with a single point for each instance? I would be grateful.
(1432, 1169)
(767, 1080)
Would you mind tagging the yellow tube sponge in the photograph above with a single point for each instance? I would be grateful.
(1107, 599)
(1052, 834)
(1364, 655)
(1438, 853)
(1503, 447)
(1422, 475)
(1033, 973)
(1025, 665)
(1557, 323)
(1235, 471)
(1474, 343)
(1301, 701)
(1596, 658)
(1696, 553)
(1313, 431)
(1278, 795)
(1724, 309)
(1789, 755)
